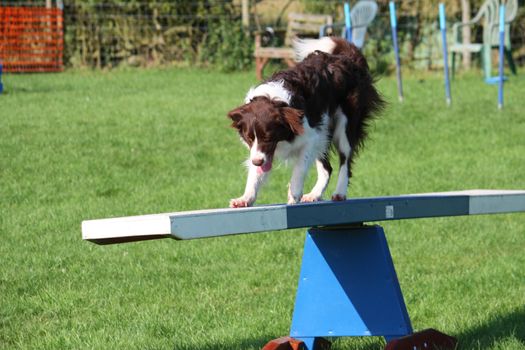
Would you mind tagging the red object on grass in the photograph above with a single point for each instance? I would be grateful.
(427, 339)
(31, 39)
(289, 343)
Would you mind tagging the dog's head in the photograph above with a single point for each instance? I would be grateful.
(262, 124)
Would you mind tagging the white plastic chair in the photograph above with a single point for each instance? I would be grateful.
(361, 14)
(488, 17)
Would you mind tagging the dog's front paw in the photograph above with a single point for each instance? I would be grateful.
(309, 198)
(241, 202)
(338, 197)
(293, 199)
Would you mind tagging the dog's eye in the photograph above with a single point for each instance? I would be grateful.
(247, 137)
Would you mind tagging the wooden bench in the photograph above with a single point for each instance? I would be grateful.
(299, 25)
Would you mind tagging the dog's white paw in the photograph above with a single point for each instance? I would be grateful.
(293, 198)
(309, 198)
(338, 197)
(241, 202)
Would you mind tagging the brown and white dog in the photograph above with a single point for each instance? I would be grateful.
(328, 98)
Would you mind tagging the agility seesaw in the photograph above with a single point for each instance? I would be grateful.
(348, 285)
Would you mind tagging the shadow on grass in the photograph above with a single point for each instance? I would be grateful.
(239, 344)
(347, 343)
(496, 330)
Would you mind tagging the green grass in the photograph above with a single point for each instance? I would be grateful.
(82, 145)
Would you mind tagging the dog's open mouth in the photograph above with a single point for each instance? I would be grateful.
(266, 166)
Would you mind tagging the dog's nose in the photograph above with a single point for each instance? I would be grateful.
(257, 161)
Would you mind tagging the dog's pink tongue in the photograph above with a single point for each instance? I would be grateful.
(266, 167)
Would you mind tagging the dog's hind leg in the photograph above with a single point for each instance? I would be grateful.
(342, 144)
(324, 170)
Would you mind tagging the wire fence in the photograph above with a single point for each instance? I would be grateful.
(45, 35)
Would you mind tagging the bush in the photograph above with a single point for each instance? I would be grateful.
(227, 46)
(102, 33)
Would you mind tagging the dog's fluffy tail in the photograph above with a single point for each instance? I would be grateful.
(330, 45)
(304, 47)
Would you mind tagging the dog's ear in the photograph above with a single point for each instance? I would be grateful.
(236, 116)
(294, 118)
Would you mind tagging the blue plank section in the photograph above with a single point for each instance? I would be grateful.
(375, 209)
(348, 287)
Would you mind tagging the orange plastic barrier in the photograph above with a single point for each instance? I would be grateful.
(31, 39)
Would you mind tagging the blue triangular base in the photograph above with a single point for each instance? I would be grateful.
(348, 287)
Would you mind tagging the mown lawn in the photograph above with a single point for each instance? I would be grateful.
(81, 145)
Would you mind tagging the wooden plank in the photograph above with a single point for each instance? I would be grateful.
(221, 222)
(299, 25)
(299, 28)
(304, 17)
(274, 52)
(126, 229)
